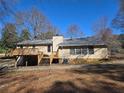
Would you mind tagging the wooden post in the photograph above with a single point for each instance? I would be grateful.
(26, 63)
(51, 58)
(38, 60)
(16, 64)
(40, 56)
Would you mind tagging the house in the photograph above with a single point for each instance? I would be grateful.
(34, 52)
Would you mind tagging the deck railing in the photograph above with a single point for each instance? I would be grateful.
(25, 51)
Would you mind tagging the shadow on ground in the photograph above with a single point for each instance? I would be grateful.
(70, 87)
(112, 71)
(6, 63)
(67, 87)
(98, 78)
(3, 70)
(111, 82)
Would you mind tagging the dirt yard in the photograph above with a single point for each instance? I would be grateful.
(93, 78)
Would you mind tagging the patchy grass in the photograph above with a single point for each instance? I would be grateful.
(94, 78)
(85, 61)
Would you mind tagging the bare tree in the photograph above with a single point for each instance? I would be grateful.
(7, 8)
(118, 21)
(34, 20)
(74, 31)
(47, 35)
(100, 26)
(105, 34)
(37, 21)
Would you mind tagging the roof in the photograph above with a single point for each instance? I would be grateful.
(36, 42)
(82, 42)
(67, 42)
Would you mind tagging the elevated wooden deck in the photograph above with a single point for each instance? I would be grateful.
(31, 51)
(24, 52)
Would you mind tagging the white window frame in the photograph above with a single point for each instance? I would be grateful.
(75, 52)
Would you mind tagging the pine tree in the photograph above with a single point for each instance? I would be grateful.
(9, 36)
(25, 35)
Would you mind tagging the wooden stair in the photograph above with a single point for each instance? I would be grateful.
(19, 61)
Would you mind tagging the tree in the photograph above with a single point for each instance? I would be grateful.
(104, 33)
(33, 20)
(25, 35)
(118, 21)
(37, 23)
(49, 33)
(46, 35)
(121, 39)
(9, 36)
(74, 31)
(7, 8)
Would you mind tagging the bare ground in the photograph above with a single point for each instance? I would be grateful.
(93, 78)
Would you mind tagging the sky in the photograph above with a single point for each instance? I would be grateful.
(84, 13)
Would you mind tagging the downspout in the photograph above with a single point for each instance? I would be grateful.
(62, 54)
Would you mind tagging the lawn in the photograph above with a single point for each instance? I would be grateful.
(93, 78)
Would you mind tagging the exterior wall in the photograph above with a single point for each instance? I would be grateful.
(99, 53)
(57, 40)
(42, 48)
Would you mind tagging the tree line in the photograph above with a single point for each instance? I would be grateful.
(33, 24)
(29, 25)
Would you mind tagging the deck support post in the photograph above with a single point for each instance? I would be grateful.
(38, 60)
(40, 56)
(50, 62)
(26, 63)
(16, 64)
(51, 58)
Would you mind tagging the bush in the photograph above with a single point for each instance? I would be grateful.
(2, 50)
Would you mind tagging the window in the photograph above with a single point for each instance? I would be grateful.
(72, 51)
(21, 46)
(33, 46)
(91, 50)
(78, 51)
(49, 48)
(84, 51)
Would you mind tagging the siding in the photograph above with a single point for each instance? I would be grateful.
(99, 53)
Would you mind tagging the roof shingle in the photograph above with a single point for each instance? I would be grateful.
(82, 42)
(36, 42)
(67, 42)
